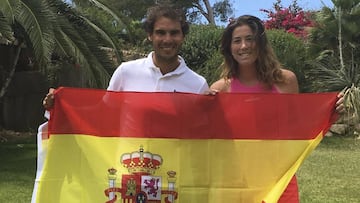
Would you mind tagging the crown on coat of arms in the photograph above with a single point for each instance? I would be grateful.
(141, 162)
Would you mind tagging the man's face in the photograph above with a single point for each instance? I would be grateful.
(166, 39)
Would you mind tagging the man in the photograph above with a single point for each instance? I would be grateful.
(162, 71)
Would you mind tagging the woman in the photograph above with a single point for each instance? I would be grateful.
(251, 66)
(250, 63)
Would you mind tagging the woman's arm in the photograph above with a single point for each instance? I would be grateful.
(220, 86)
(290, 83)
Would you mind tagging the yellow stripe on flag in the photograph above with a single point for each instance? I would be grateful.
(280, 186)
(206, 170)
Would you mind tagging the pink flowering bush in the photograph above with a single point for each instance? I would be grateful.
(292, 19)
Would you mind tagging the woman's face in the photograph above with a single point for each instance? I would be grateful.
(243, 46)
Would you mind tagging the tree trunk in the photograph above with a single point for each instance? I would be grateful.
(210, 12)
(8, 79)
(11, 73)
(340, 39)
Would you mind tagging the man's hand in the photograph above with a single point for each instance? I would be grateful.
(48, 101)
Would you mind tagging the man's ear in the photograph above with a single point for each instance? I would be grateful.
(149, 38)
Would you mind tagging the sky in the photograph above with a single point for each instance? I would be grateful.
(253, 7)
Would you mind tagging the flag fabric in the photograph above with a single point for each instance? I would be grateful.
(133, 147)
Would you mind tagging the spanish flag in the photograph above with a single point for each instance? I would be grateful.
(132, 147)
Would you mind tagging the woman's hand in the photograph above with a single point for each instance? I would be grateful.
(339, 105)
(211, 92)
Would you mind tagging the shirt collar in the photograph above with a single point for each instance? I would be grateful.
(179, 70)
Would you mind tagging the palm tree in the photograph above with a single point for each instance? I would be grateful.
(328, 35)
(54, 29)
(336, 45)
(336, 67)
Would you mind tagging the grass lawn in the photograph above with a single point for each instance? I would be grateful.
(330, 175)
(17, 167)
(332, 172)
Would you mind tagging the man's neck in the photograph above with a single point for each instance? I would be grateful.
(166, 66)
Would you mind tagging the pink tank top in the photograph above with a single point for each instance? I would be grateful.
(237, 86)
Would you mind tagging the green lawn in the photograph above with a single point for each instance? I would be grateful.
(17, 170)
(330, 174)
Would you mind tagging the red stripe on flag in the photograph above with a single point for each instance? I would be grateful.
(191, 116)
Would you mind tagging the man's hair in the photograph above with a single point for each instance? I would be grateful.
(168, 11)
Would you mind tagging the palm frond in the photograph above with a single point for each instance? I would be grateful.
(8, 9)
(352, 103)
(80, 41)
(37, 20)
(75, 41)
(82, 56)
(104, 35)
(326, 75)
(107, 10)
(6, 34)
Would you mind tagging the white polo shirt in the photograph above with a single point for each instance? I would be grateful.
(142, 75)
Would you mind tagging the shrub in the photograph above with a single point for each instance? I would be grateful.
(201, 50)
(291, 51)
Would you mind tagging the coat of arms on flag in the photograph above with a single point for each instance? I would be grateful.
(141, 185)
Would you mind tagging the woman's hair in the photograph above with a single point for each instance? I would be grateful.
(267, 66)
(168, 11)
